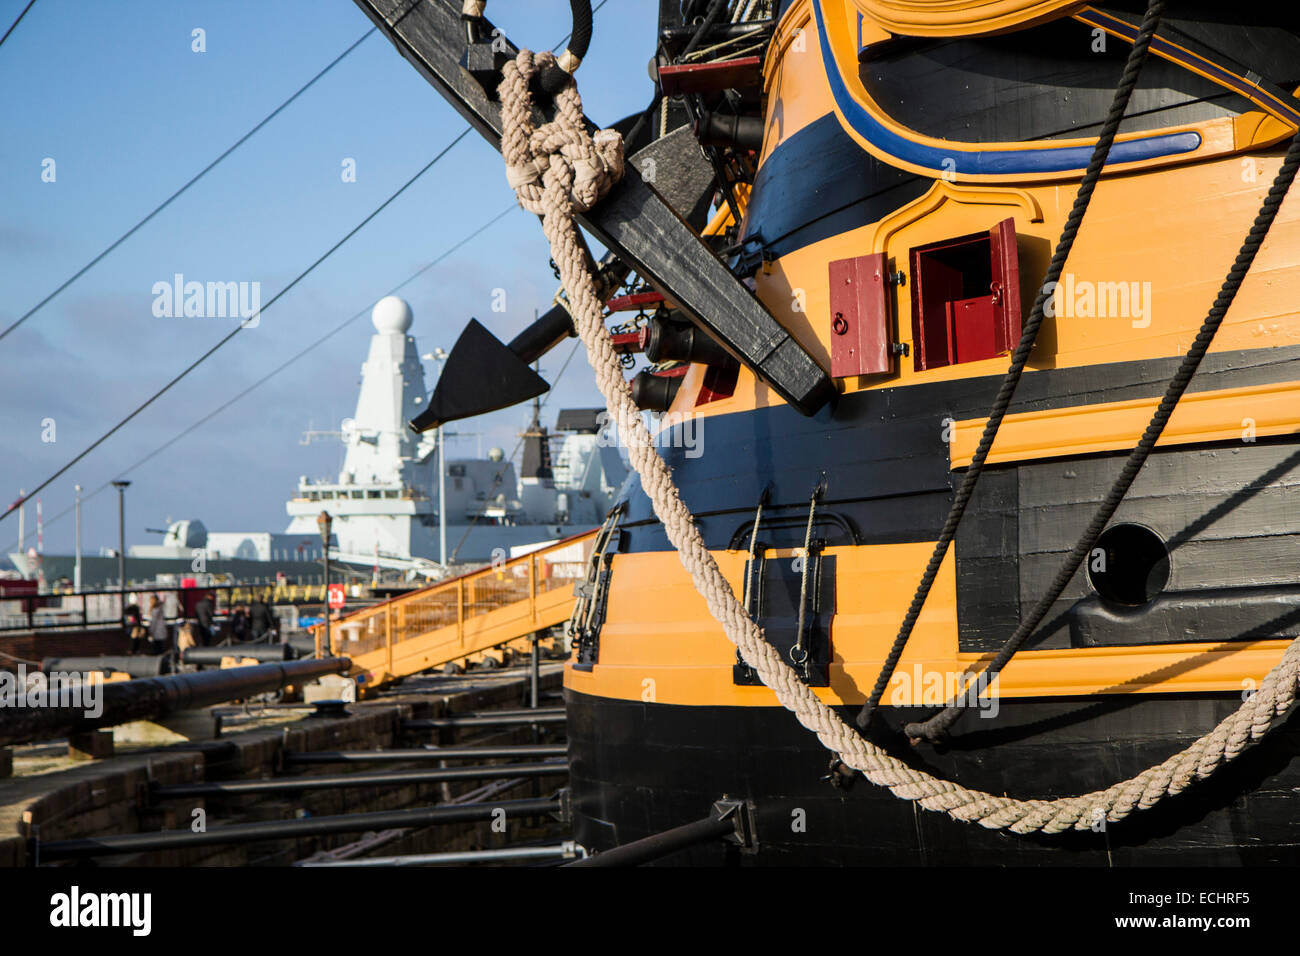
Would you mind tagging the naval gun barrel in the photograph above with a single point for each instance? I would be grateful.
(78, 709)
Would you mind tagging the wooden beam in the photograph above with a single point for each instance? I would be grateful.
(633, 221)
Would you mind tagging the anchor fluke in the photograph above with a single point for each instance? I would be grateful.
(484, 375)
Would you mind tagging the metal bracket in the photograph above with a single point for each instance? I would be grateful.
(743, 815)
(484, 61)
(752, 256)
(565, 813)
(840, 775)
(583, 627)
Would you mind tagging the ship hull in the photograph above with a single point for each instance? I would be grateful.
(663, 721)
(640, 768)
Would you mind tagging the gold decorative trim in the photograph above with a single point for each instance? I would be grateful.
(945, 192)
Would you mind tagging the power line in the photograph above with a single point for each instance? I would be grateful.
(17, 504)
(16, 22)
(203, 172)
(199, 175)
(238, 328)
(283, 365)
(328, 335)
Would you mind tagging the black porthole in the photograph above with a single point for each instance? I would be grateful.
(1129, 565)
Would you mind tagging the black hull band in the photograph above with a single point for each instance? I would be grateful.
(641, 768)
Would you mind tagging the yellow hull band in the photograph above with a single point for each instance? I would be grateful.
(1234, 414)
(659, 643)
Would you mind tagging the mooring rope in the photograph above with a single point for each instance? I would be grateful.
(559, 170)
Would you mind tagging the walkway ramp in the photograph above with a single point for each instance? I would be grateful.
(461, 616)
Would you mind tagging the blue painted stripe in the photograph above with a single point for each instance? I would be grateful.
(992, 162)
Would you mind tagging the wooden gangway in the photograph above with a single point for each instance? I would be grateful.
(461, 616)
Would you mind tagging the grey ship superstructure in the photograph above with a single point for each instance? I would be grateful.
(384, 503)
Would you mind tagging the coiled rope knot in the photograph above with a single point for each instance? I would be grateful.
(560, 159)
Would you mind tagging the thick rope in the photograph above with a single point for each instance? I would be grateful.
(573, 171)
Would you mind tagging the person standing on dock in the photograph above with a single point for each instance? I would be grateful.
(159, 635)
(261, 620)
(239, 624)
(203, 613)
(135, 627)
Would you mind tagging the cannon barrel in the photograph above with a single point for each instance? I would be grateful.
(257, 652)
(65, 710)
(137, 665)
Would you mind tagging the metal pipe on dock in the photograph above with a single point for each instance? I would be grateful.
(295, 758)
(153, 697)
(486, 720)
(304, 645)
(346, 780)
(535, 676)
(559, 851)
(257, 652)
(289, 829)
(137, 665)
(510, 712)
(663, 844)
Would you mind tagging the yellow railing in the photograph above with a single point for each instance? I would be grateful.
(460, 616)
(277, 593)
(281, 593)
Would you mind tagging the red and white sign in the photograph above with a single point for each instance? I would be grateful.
(337, 596)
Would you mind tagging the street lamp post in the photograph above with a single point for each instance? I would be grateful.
(121, 487)
(76, 568)
(323, 522)
(439, 356)
(442, 503)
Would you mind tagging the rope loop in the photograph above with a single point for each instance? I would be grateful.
(561, 153)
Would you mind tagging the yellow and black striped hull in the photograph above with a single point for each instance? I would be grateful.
(662, 721)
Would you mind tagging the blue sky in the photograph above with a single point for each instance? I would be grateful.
(114, 94)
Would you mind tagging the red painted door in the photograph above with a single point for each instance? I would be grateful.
(861, 330)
